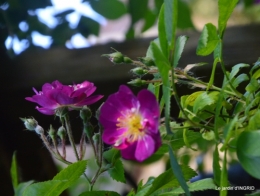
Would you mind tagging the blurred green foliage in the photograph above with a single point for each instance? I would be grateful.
(13, 12)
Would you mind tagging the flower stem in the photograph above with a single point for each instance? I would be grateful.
(69, 132)
(48, 146)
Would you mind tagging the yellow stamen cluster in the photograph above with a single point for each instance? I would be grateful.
(133, 123)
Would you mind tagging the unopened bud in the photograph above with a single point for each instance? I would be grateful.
(139, 71)
(39, 130)
(116, 57)
(148, 61)
(96, 137)
(137, 82)
(61, 132)
(52, 132)
(208, 135)
(30, 123)
(88, 129)
(127, 60)
(85, 114)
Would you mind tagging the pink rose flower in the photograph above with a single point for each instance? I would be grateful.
(131, 124)
(56, 95)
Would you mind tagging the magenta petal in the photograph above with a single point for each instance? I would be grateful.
(110, 136)
(149, 103)
(42, 101)
(89, 100)
(46, 111)
(129, 153)
(88, 90)
(60, 97)
(145, 148)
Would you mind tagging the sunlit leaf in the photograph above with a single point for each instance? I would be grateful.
(180, 43)
(170, 20)
(204, 184)
(208, 40)
(60, 182)
(226, 8)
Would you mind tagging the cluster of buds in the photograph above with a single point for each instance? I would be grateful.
(118, 57)
(32, 125)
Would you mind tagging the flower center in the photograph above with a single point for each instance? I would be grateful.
(133, 123)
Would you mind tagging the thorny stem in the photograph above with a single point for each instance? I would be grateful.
(56, 147)
(99, 159)
(69, 132)
(82, 146)
(63, 143)
(48, 146)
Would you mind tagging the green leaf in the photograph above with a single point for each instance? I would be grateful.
(88, 26)
(248, 152)
(168, 180)
(72, 172)
(137, 10)
(256, 66)
(163, 43)
(164, 68)
(184, 16)
(208, 40)
(141, 191)
(117, 171)
(205, 99)
(178, 173)
(201, 185)
(239, 79)
(253, 86)
(112, 155)
(110, 9)
(254, 123)
(99, 193)
(149, 19)
(170, 20)
(236, 68)
(180, 43)
(226, 8)
(60, 182)
(177, 141)
(14, 172)
(229, 131)
(256, 75)
(21, 187)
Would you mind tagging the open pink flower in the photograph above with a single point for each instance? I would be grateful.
(57, 95)
(131, 124)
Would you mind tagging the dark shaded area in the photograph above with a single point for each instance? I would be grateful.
(36, 67)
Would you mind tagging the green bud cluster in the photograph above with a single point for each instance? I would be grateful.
(139, 71)
(137, 82)
(148, 61)
(117, 57)
(30, 123)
